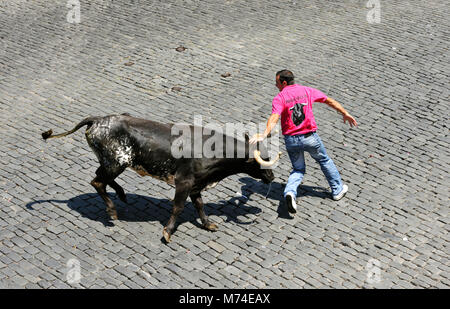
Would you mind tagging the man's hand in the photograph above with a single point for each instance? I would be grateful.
(258, 137)
(337, 106)
(350, 119)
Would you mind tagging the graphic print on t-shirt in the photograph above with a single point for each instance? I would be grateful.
(298, 114)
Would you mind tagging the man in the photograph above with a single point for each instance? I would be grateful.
(294, 104)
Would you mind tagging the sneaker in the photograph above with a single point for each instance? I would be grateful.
(290, 201)
(337, 197)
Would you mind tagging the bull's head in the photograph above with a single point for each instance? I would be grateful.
(259, 166)
(265, 163)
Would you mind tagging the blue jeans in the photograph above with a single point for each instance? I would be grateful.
(296, 146)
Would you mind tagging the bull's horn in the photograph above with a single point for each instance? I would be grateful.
(258, 159)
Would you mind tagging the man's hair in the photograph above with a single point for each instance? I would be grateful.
(286, 75)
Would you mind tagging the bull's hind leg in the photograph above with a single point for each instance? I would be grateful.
(119, 190)
(103, 178)
(198, 203)
(99, 184)
(182, 191)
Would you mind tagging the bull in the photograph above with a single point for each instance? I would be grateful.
(122, 141)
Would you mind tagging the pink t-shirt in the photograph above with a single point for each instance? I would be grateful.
(294, 104)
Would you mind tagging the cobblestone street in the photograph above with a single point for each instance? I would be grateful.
(390, 230)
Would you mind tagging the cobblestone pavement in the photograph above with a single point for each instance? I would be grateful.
(390, 231)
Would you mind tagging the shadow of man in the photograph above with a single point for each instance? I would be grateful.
(275, 192)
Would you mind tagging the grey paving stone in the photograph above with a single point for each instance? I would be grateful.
(395, 162)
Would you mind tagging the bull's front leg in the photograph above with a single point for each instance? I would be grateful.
(198, 203)
(182, 191)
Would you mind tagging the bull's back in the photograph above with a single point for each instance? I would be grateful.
(121, 141)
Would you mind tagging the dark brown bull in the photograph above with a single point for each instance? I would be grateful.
(121, 141)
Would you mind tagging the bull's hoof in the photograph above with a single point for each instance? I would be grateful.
(166, 235)
(113, 214)
(211, 226)
(121, 194)
(123, 198)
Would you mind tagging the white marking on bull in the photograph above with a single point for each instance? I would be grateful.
(124, 154)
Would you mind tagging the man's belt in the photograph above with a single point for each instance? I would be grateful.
(308, 134)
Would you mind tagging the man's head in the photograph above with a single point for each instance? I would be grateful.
(284, 78)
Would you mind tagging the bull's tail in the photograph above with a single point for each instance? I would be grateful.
(88, 121)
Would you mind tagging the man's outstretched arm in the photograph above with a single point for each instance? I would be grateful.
(347, 117)
(271, 123)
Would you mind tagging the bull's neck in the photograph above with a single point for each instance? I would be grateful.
(237, 166)
(231, 167)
